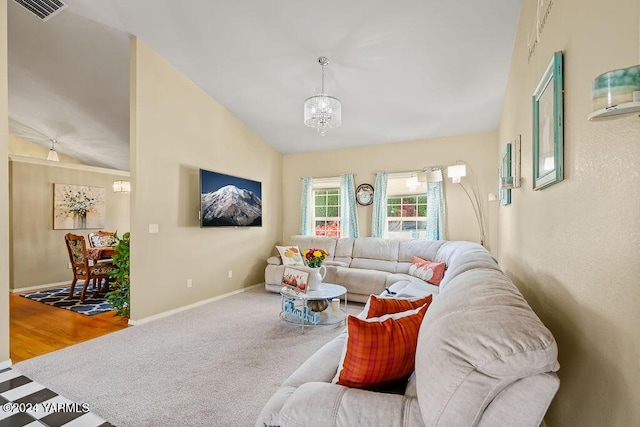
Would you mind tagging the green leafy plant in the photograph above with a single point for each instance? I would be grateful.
(118, 296)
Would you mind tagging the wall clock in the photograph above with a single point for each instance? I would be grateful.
(364, 194)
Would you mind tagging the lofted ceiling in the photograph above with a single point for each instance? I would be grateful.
(404, 70)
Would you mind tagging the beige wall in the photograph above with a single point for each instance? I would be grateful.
(22, 147)
(4, 190)
(573, 248)
(38, 252)
(176, 128)
(478, 150)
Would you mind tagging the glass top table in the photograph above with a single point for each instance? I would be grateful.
(314, 307)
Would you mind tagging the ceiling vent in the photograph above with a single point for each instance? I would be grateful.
(43, 9)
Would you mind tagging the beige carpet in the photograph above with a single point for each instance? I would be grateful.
(213, 365)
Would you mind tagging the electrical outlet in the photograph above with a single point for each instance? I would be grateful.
(189, 283)
(69, 266)
(230, 274)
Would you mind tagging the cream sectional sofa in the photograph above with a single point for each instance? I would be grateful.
(364, 265)
(483, 359)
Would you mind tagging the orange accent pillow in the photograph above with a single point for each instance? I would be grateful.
(431, 272)
(380, 354)
(380, 306)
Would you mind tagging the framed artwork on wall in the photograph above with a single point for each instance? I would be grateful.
(505, 176)
(78, 207)
(548, 127)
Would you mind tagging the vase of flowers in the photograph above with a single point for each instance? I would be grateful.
(313, 258)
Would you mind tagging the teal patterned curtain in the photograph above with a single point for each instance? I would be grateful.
(306, 204)
(435, 208)
(379, 221)
(348, 212)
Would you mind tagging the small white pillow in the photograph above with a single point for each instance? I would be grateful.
(290, 255)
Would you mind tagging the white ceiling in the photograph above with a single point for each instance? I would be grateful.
(404, 70)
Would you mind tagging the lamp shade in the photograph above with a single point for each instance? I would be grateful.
(53, 156)
(121, 187)
(456, 172)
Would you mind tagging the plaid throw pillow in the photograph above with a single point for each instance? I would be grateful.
(379, 354)
(381, 306)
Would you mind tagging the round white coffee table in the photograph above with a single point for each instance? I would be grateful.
(295, 307)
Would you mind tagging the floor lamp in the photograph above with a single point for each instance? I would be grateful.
(456, 173)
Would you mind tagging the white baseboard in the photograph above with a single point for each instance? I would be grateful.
(45, 286)
(6, 364)
(187, 307)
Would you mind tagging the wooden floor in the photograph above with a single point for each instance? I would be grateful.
(37, 328)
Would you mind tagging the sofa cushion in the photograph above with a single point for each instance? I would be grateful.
(380, 351)
(426, 249)
(290, 255)
(361, 281)
(344, 250)
(431, 272)
(379, 306)
(331, 405)
(321, 242)
(376, 248)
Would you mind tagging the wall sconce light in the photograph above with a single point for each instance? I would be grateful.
(456, 173)
(514, 181)
(53, 155)
(121, 187)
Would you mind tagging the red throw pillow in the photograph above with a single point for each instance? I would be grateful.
(431, 272)
(380, 354)
(380, 306)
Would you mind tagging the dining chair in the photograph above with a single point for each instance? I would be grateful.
(81, 268)
(101, 238)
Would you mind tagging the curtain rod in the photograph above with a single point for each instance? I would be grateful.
(327, 177)
(424, 169)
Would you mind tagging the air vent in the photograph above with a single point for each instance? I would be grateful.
(43, 9)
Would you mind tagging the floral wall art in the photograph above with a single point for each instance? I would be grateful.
(78, 207)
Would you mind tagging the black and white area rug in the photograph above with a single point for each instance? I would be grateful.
(59, 297)
(27, 403)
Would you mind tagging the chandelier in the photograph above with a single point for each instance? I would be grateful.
(322, 111)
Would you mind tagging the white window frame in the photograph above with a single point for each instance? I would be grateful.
(326, 184)
(404, 185)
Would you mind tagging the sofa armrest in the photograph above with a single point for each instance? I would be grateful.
(274, 260)
(325, 404)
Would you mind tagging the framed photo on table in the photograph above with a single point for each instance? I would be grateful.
(296, 280)
(548, 126)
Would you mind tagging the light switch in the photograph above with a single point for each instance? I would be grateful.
(154, 228)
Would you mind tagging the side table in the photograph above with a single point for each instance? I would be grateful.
(295, 306)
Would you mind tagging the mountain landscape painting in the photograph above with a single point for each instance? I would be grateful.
(229, 201)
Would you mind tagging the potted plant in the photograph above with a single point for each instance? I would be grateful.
(118, 296)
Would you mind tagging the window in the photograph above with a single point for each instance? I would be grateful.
(406, 207)
(326, 212)
(407, 217)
